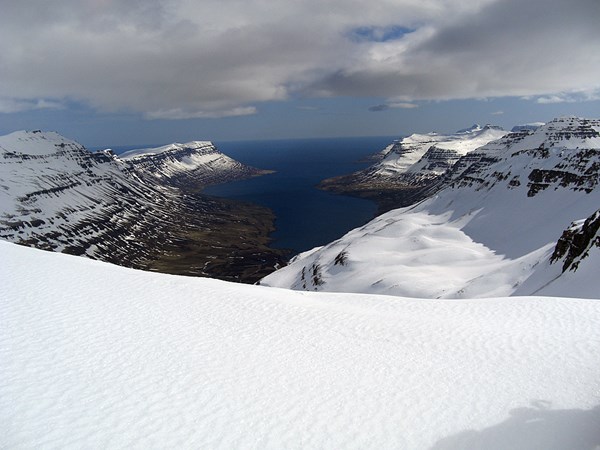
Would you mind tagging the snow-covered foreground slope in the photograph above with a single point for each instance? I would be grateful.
(491, 231)
(99, 356)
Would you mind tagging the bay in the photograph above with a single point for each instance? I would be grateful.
(306, 217)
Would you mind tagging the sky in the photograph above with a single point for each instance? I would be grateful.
(109, 73)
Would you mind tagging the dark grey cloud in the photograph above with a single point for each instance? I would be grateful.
(182, 58)
(378, 108)
(503, 48)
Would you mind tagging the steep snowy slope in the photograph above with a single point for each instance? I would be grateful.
(98, 356)
(195, 163)
(411, 164)
(490, 231)
(56, 195)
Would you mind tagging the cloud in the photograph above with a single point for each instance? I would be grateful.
(179, 59)
(377, 108)
(501, 48)
(570, 97)
(395, 105)
(379, 34)
(403, 105)
(179, 113)
(11, 105)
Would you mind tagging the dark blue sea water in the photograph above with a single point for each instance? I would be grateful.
(305, 216)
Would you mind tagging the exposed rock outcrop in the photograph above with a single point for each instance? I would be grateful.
(577, 241)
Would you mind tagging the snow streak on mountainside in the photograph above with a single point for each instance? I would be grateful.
(98, 356)
(410, 165)
(491, 230)
(56, 195)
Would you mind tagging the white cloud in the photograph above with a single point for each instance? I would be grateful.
(183, 58)
(403, 105)
(12, 105)
(393, 105)
(570, 97)
(178, 113)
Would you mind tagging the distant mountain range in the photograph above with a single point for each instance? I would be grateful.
(517, 216)
(136, 210)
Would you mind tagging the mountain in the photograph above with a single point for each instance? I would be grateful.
(527, 126)
(140, 211)
(517, 216)
(99, 356)
(195, 163)
(406, 169)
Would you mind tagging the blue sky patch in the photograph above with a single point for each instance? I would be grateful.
(379, 34)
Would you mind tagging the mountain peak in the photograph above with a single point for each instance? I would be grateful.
(474, 127)
(36, 142)
(527, 127)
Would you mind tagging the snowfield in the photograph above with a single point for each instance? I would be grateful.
(99, 356)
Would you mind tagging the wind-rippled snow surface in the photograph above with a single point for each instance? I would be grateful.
(99, 356)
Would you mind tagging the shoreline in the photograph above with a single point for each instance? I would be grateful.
(221, 238)
(386, 196)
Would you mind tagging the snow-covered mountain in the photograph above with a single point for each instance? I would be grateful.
(56, 195)
(98, 356)
(195, 163)
(490, 230)
(407, 167)
(527, 126)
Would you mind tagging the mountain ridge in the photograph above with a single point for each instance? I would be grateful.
(197, 163)
(406, 170)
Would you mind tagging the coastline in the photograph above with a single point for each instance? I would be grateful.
(221, 238)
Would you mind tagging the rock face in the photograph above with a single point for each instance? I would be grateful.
(490, 229)
(577, 242)
(56, 195)
(406, 170)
